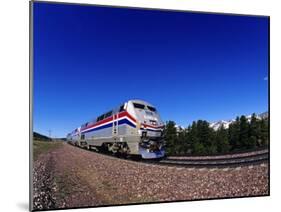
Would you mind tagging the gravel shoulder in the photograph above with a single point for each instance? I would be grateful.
(72, 177)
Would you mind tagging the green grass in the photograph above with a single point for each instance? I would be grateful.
(42, 147)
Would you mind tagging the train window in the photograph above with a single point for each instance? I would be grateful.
(82, 137)
(121, 108)
(153, 109)
(108, 114)
(139, 106)
(100, 118)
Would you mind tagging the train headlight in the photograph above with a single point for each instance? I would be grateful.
(144, 134)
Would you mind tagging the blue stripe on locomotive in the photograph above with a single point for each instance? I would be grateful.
(120, 122)
(126, 121)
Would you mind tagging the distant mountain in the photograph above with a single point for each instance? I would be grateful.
(38, 136)
(264, 115)
(179, 128)
(216, 125)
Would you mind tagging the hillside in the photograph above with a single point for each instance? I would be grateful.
(38, 136)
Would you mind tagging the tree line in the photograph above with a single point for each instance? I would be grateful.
(200, 138)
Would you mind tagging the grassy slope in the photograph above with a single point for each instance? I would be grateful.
(38, 136)
(41, 147)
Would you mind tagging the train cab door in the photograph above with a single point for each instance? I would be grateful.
(115, 126)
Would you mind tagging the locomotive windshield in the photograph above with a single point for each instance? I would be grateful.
(144, 107)
(153, 109)
(138, 106)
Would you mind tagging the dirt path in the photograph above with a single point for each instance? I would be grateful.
(72, 177)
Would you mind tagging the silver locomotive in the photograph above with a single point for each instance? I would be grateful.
(133, 128)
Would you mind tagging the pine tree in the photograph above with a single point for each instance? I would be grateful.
(252, 140)
(198, 148)
(187, 141)
(258, 137)
(212, 141)
(264, 132)
(234, 133)
(193, 136)
(181, 144)
(244, 133)
(206, 137)
(170, 135)
(222, 140)
(253, 132)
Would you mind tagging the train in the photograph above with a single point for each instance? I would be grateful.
(133, 128)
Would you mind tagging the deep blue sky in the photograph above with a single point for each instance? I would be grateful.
(88, 60)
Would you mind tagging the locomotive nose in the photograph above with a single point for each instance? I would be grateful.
(151, 118)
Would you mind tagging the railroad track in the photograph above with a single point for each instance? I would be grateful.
(218, 163)
(236, 161)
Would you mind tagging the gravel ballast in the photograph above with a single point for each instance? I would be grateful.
(72, 177)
